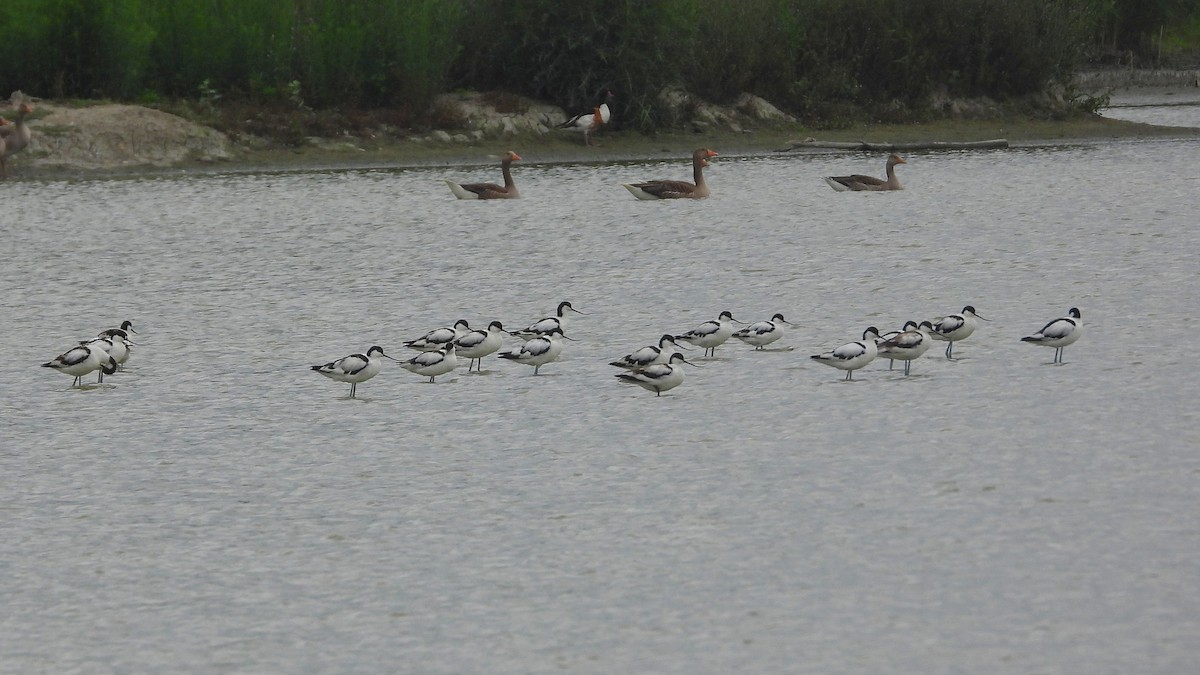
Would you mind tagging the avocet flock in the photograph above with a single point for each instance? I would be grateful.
(657, 367)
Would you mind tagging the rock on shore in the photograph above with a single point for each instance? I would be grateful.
(114, 135)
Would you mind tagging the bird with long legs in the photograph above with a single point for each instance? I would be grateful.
(354, 368)
(852, 355)
(1059, 333)
(711, 334)
(658, 377)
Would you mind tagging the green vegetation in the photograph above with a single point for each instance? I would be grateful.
(1148, 33)
(823, 60)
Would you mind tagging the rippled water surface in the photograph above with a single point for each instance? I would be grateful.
(221, 508)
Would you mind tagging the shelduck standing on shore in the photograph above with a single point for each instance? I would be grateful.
(590, 121)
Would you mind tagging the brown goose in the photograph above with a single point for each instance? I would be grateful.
(677, 189)
(859, 183)
(490, 190)
(15, 137)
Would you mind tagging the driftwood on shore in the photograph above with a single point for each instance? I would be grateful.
(896, 147)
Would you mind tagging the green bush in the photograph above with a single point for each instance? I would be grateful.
(830, 60)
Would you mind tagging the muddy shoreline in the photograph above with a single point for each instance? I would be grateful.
(112, 141)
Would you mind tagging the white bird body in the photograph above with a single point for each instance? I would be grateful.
(477, 344)
(354, 368)
(81, 360)
(537, 351)
(432, 364)
(658, 377)
(439, 337)
(710, 334)
(762, 333)
(907, 345)
(954, 327)
(646, 356)
(548, 325)
(908, 325)
(1059, 333)
(114, 346)
(124, 331)
(852, 355)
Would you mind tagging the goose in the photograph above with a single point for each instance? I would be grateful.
(1059, 333)
(592, 120)
(860, 183)
(490, 190)
(14, 137)
(677, 189)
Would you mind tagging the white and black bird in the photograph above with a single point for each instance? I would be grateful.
(907, 345)
(908, 325)
(114, 344)
(852, 355)
(660, 353)
(81, 360)
(955, 327)
(354, 368)
(125, 330)
(658, 377)
(476, 344)
(1059, 333)
(591, 120)
(439, 337)
(549, 324)
(762, 333)
(711, 334)
(538, 351)
(432, 364)
(126, 326)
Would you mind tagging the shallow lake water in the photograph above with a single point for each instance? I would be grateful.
(219, 507)
(1168, 106)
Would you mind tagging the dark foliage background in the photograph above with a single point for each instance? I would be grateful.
(820, 59)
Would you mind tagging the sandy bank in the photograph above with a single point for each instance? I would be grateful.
(115, 139)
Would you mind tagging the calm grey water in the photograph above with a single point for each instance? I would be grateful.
(221, 508)
(1170, 106)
